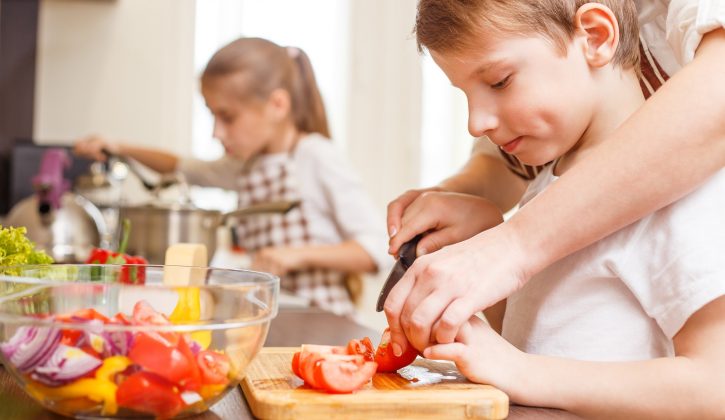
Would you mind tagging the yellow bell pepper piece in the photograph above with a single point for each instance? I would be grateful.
(188, 309)
(100, 389)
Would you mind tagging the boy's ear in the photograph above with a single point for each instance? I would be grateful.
(279, 103)
(599, 24)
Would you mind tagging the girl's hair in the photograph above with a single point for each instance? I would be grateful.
(456, 25)
(267, 66)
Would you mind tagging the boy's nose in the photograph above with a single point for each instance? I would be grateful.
(481, 122)
(218, 131)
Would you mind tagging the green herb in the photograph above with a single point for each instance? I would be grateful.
(16, 249)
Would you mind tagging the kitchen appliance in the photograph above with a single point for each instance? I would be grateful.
(65, 225)
(427, 389)
(156, 226)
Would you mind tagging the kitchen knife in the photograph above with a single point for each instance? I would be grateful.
(407, 256)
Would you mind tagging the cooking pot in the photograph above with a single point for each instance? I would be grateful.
(156, 226)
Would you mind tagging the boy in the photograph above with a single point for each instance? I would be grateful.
(633, 325)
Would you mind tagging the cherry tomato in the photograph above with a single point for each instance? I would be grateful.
(362, 347)
(386, 359)
(171, 361)
(343, 374)
(214, 367)
(149, 393)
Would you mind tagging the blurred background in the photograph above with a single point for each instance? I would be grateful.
(128, 69)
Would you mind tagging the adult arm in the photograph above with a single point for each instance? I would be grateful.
(665, 150)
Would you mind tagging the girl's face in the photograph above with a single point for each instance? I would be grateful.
(246, 128)
(528, 98)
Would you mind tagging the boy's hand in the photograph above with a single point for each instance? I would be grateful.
(448, 217)
(481, 355)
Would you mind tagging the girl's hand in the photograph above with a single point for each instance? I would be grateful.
(481, 355)
(278, 260)
(92, 147)
(447, 217)
(442, 290)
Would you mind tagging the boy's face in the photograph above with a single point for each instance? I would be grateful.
(243, 127)
(527, 97)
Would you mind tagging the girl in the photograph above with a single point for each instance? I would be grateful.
(269, 116)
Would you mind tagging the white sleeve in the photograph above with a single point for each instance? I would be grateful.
(354, 213)
(688, 21)
(220, 173)
(675, 259)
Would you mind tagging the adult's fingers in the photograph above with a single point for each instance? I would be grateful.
(422, 316)
(393, 308)
(454, 316)
(396, 209)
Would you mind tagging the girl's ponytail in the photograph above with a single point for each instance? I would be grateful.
(307, 105)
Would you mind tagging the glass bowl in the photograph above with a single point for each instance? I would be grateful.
(84, 343)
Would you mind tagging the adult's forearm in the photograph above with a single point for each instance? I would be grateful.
(675, 387)
(664, 151)
(157, 160)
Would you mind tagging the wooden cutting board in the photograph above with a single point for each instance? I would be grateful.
(426, 389)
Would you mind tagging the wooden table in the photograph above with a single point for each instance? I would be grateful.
(290, 328)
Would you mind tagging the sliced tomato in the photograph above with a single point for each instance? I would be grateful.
(340, 376)
(84, 315)
(296, 364)
(149, 393)
(171, 361)
(121, 319)
(307, 367)
(70, 337)
(362, 347)
(214, 367)
(386, 359)
(145, 314)
(322, 349)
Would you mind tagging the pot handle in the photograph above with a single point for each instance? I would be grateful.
(272, 207)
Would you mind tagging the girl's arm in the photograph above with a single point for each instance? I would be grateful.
(93, 147)
(347, 256)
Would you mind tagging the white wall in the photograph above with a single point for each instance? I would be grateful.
(122, 68)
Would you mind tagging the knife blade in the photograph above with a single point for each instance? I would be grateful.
(407, 257)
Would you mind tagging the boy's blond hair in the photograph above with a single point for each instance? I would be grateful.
(456, 25)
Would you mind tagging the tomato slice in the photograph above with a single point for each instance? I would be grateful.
(362, 347)
(322, 349)
(386, 359)
(214, 367)
(172, 361)
(296, 364)
(341, 376)
(145, 314)
(307, 367)
(149, 393)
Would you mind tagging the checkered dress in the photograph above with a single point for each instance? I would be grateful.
(272, 178)
(651, 77)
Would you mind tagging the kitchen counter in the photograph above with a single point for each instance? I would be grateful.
(292, 327)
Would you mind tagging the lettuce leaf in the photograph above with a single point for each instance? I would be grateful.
(17, 249)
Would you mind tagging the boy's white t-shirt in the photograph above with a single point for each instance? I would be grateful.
(626, 296)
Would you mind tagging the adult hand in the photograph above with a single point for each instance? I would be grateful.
(397, 209)
(92, 147)
(442, 290)
(278, 260)
(447, 218)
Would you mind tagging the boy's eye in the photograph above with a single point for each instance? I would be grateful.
(502, 84)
